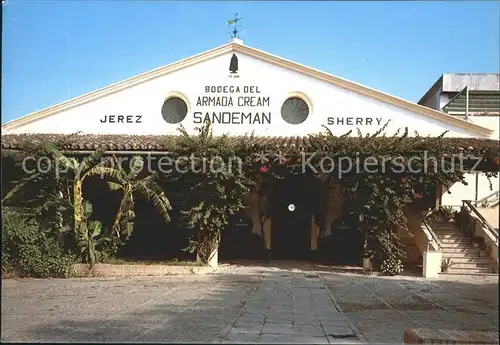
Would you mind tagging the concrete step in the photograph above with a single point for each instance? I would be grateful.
(445, 229)
(456, 240)
(471, 265)
(460, 254)
(443, 222)
(463, 240)
(469, 273)
(443, 225)
(459, 245)
(451, 236)
(447, 232)
(469, 259)
(466, 241)
(461, 250)
(450, 227)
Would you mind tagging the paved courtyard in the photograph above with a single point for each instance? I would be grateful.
(283, 302)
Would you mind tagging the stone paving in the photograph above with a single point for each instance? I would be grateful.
(149, 309)
(277, 303)
(291, 306)
(382, 308)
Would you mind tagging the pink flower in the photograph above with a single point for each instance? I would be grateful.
(263, 169)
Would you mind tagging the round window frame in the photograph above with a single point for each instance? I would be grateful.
(179, 95)
(303, 97)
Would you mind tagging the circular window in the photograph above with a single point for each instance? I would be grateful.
(294, 110)
(174, 110)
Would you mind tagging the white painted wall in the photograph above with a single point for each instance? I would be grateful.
(461, 192)
(433, 100)
(274, 82)
(491, 122)
(490, 214)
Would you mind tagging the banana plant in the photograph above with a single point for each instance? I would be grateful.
(130, 183)
(79, 172)
(90, 236)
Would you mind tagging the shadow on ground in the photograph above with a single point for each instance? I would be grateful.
(203, 317)
(203, 308)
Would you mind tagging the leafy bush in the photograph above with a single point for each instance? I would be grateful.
(390, 253)
(391, 266)
(211, 197)
(446, 264)
(443, 213)
(29, 251)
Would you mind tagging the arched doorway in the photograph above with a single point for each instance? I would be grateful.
(291, 216)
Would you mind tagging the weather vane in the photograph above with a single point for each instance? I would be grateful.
(234, 21)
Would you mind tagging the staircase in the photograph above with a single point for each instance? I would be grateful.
(465, 258)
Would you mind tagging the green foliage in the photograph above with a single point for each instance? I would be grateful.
(389, 252)
(374, 202)
(446, 264)
(131, 183)
(214, 186)
(442, 213)
(28, 250)
(94, 244)
(40, 191)
(75, 173)
(59, 207)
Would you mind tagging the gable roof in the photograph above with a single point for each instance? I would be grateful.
(237, 46)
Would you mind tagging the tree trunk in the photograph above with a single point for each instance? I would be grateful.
(78, 204)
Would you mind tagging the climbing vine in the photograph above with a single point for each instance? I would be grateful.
(212, 185)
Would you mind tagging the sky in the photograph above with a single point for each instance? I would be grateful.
(56, 50)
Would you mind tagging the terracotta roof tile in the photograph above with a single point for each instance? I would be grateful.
(118, 142)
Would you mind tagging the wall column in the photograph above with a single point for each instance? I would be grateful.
(314, 234)
(213, 260)
(267, 233)
(439, 192)
(431, 264)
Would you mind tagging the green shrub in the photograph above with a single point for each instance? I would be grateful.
(391, 266)
(390, 253)
(29, 251)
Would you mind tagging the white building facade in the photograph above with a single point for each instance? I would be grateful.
(248, 99)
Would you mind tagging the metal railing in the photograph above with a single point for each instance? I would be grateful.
(432, 239)
(477, 215)
(464, 90)
(488, 200)
(473, 102)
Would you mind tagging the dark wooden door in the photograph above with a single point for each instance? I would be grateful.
(290, 230)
